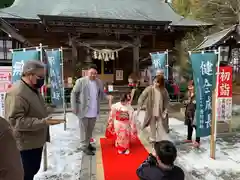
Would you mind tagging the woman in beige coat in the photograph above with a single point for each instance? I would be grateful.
(156, 99)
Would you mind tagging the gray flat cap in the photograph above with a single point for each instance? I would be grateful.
(32, 65)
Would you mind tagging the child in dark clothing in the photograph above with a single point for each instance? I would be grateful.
(160, 166)
(190, 112)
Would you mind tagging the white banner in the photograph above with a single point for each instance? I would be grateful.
(5, 82)
(2, 105)
(224, 109)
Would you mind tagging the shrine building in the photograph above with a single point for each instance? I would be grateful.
(115, 35)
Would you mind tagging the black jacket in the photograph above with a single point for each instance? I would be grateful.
(152, 172)
(190, 111)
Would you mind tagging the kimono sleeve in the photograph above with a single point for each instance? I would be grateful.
(112, 114)
(131, 113)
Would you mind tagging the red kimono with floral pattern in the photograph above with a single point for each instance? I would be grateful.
(121, 126)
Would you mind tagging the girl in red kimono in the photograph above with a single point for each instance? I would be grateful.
(121, 127)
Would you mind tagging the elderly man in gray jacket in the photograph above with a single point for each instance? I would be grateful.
(85, 101)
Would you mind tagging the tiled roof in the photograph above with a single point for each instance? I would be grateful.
(138, 10)
(215, 38)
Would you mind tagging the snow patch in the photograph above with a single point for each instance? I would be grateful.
(64, 158)
(227, 154)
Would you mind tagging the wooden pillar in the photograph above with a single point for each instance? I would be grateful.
(136, 51)
(102, 66)
(74, 56)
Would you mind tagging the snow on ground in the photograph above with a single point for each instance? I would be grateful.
(64, 157)
(227, 155)
(198, 161)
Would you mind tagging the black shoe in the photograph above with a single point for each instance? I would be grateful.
(91, 148)
(88, 152)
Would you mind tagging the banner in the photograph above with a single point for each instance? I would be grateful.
(224, 96)
(159, 61)
(55, 75)
(5, 82)
(204, 72)
(18, 60)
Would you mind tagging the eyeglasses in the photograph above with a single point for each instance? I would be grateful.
(39, 77)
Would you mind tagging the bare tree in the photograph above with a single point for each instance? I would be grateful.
(222, 13)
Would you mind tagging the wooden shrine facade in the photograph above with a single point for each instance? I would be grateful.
(81, 35)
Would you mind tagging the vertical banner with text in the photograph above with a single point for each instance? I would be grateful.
(159, 61)
(55, 74)
(18, 60)
(204, 72)
(224, 97)
(5, 82)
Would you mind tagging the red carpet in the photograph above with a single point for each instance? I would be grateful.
(121, 167)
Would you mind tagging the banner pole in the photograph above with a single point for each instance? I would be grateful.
(63, 91)
(27, 48)
(214, 111)
(167, 63)
(45, 147)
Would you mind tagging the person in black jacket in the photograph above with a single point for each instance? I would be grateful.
(161, 165)
(190, 119)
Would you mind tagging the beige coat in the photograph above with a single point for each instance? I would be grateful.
(10, 160)
(147, 99)
(25, 110)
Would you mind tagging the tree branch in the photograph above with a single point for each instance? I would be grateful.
(226, 5)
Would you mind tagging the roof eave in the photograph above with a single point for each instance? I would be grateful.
(7, 28)
(216, 43)
(101, 20)
(198, 25)
(11, 19)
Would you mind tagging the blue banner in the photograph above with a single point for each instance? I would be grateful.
(204, 72)
(55, 75)
(18, 60)
(159, 61)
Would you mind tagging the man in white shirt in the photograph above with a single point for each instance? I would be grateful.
(85, 100)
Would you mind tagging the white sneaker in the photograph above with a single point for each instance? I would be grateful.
(127, 152)
(123, 152)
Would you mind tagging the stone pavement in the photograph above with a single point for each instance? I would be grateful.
(92, 167)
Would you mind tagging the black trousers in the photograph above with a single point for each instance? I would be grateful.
(31, 160)
(190, 131)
